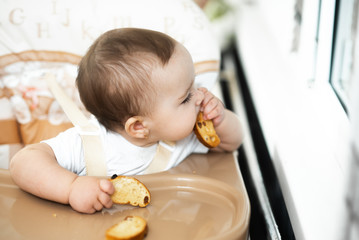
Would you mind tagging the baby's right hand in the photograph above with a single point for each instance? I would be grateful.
(90, 194)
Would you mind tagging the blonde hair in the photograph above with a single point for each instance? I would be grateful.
(114, 77)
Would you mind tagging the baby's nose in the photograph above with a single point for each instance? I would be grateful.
(199, 97)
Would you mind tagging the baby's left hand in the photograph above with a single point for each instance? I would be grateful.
(212, 107)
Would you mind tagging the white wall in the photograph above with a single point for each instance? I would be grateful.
(305, 126)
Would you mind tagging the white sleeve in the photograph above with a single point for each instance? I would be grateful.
(67, 147)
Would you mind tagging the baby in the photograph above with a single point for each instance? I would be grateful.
(139, 86)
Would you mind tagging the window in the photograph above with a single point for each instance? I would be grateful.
(345, 43)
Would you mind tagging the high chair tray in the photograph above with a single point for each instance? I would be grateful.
(187, 202)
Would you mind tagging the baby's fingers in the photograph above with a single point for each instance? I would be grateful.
(98, 206)
(216, 121)
(212, 109)
(208, 97)
(106, 186)
(105, 200)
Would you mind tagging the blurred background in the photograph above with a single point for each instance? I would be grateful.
(295, 63)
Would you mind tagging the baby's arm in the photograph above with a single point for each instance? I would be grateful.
(35, 170)
(226, 123)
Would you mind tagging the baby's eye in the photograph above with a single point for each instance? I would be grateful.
(188, 98)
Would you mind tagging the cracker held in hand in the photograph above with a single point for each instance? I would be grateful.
(131, 228)
(129, 190)
(205, 132)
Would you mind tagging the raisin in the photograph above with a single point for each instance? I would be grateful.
(145, 200)
(114, 176)
(199, 124)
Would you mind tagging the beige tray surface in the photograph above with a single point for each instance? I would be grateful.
(183, 206)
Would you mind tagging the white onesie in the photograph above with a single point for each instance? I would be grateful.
(122, 157)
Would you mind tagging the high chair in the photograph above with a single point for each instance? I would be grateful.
(48, 38)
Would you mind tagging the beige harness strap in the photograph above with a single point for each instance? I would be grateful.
(90, 134)
(161, 158)
(93, 149)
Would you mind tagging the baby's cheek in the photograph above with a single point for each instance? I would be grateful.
(184, 129)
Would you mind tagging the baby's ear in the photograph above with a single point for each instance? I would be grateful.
(135, 128)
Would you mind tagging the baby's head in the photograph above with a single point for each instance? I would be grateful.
(114, 77)
(141, 81)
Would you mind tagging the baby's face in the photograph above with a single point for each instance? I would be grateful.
(178, 101)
